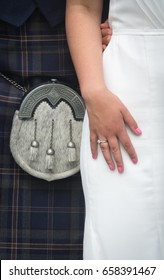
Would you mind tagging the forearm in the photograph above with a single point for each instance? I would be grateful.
(84, 39)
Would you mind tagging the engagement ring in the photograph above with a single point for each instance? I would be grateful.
(101, 141)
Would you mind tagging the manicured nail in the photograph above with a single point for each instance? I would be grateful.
(134, 160)
(120, 169)
(138, 131)
(111, 167)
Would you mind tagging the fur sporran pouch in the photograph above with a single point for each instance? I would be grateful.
(46, 131)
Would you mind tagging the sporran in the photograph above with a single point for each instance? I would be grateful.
(46, 131)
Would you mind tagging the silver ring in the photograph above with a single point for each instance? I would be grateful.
(101, 141)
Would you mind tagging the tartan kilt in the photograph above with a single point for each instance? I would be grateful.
(38, 219)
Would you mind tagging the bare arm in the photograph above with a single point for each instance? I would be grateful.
(83, 24)
(84, 38)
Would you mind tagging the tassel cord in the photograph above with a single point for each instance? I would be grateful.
(71, 146)
(34, 148)
(50, 152)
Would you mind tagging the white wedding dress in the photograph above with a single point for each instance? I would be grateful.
(125, 212)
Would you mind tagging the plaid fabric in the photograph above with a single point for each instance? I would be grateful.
(38, 219)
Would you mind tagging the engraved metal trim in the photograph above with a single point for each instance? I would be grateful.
(53, 93)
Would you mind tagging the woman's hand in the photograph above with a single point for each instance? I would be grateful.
(106, 33)
(108, 118)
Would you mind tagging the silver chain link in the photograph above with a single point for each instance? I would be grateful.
(14, 83)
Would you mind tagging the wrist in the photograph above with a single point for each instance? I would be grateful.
(91, 92)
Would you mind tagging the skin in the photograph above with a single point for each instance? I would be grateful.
(106, 33)
(108, 116)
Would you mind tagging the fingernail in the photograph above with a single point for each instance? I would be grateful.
(134, 160)
(111, 167)
(120, 169)
(93, 156)
(138, 131)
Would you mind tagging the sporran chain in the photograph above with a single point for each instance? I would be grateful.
(14, 83)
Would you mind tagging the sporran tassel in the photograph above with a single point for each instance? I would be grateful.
(50, 159)
(34, 148)
(71, 146)
(50, 154)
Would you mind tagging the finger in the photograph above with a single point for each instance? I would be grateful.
(107, 155)
(130, 121)
(127, 144)
(106, 32)
(105, 24)
(104, 47)
(116, 153)
(106, 40)
(93, 144)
